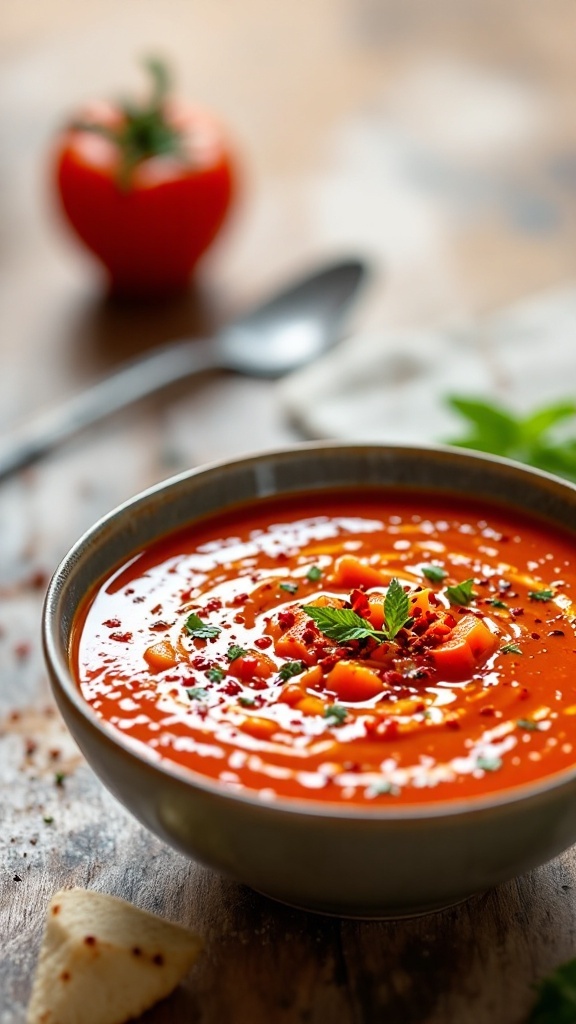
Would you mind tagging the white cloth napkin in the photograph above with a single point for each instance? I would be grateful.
(391, 386)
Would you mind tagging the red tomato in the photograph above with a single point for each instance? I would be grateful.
(146, 188)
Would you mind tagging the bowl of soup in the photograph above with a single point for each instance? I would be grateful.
(341, 674)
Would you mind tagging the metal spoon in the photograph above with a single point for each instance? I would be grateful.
(293, 327)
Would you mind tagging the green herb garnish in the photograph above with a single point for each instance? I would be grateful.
(461, 593)
(396, 607)
(199, 629)
(246, 702)
(197, 693)
(215, 675)
(489, 764)
(291, 668)
(527, 723)
(314, 573)
(383, 788)
(541, 595)
(556, 1002)
(335, 712)
(144, 130)
(290, 588)
(234, 651)
(435, 573)
(496, 602)
(344, 625)
(511, 649)
(340, 624)
(48, 819)
(533, 439)
(59, 778)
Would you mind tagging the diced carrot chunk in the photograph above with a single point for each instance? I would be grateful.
(294, 643)
(161, 656)
(311, 678)
(351, 571)
(311, 705)
(259, 728)
(252, 665)
(469, 645)
(352, 681)
(376, 613)
(290, 694)
(420, 603)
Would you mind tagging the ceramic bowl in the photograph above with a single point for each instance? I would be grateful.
(359, 862)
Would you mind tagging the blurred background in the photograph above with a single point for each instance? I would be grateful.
(438, 141)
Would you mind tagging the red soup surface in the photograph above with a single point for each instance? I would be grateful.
(367, 648)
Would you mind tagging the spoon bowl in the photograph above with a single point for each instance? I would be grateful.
(294, 327)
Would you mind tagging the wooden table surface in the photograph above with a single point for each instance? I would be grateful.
(438, 140)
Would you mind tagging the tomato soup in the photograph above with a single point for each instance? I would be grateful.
(360, 648)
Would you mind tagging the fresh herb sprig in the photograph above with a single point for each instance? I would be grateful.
(556, 1002)
(144, 131)
(344, 625)
(461, 593)
(195, 627)
(534, 439)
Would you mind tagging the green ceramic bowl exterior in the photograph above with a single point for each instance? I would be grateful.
(347, 861)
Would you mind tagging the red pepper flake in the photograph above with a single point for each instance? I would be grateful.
(22, 650)
(159, 626)
(556, 632)
(213, 605)
(90, 940)
(31, 747)
(524, 693)
(122, 638)
(112, 623)
(536, 636)
(200, 663)
(231, 688)
(309, 636)
(452, 723)
(488, 709)
(328, 662)
(392, 677)
(516, 612)
(238, 600)
(286, 619)
(38, 579)
(262, 642)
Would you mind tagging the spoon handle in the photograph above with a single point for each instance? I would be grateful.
(133, 381)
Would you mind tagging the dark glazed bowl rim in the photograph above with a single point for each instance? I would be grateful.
(554, 494)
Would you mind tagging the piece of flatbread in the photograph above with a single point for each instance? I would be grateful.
(103, 961)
